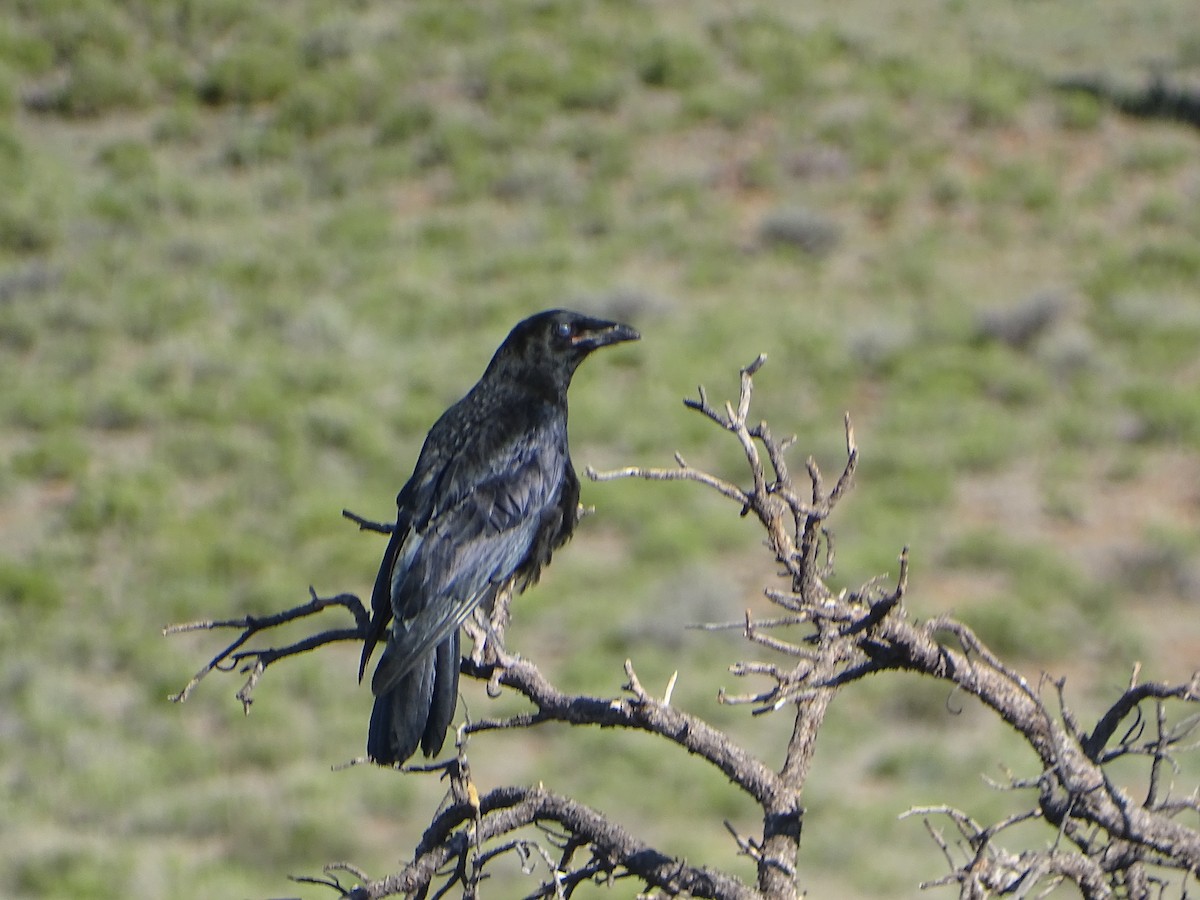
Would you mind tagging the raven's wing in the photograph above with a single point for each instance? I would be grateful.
(414, 502)
(381, 594)
(480, 532)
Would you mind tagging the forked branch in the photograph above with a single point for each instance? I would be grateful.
(255, 662)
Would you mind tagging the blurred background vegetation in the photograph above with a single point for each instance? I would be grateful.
(249, 251)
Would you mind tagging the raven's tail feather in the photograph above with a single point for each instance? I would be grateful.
(418, 709)
(445, 694)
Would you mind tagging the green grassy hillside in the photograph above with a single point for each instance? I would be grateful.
(249, 251)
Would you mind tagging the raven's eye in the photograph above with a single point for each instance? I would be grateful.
(564, 330)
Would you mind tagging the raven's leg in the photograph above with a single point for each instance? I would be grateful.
(486, 628)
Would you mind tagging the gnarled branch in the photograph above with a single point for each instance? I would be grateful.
(1106, 841)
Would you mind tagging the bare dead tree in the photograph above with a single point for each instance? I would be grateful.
(1100, 837)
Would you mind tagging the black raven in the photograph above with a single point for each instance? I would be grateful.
(492, 496)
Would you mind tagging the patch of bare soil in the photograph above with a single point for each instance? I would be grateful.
(1117, 532)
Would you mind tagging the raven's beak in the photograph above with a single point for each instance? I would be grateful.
(599, 333)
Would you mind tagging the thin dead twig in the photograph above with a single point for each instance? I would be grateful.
(231, 657)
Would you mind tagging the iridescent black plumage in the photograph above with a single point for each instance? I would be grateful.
(492, 496)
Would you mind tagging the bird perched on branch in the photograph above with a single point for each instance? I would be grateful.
(492, 496)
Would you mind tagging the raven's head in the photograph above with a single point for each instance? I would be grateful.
(555, 342)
